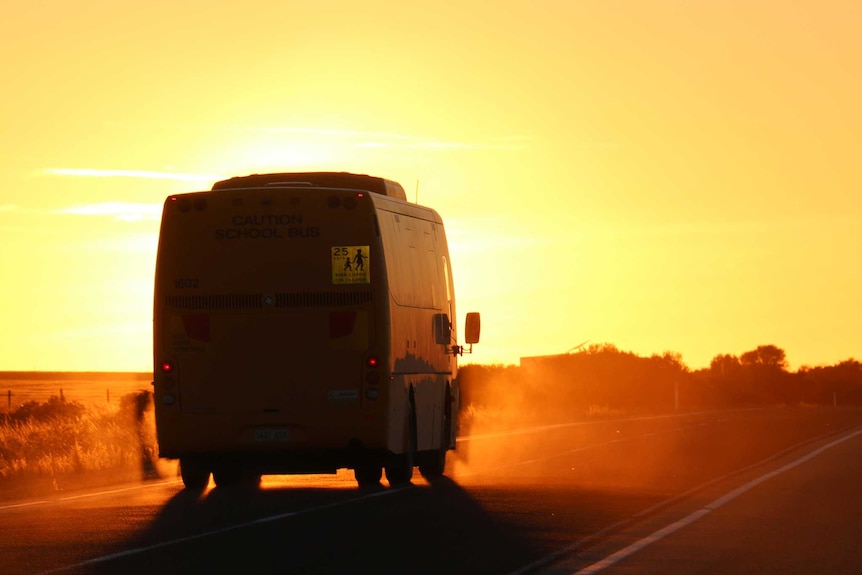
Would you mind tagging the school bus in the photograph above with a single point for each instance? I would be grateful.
(305, 323)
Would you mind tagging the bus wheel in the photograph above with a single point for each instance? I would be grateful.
(432, 464)
(195, 475)
(399, 469)
(368, 474)
(228, 475)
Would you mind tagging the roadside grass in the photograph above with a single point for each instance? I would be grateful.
(61, 442)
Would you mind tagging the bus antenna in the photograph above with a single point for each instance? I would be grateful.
(578, 347)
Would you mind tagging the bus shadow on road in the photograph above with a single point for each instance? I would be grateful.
(426, 527)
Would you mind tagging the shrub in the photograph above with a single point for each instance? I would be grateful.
(56, 408)
(57, 438)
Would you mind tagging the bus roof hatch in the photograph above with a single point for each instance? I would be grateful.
(343, 180)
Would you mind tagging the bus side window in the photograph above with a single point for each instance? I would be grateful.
(442, 329)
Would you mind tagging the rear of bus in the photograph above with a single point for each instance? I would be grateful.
(270, 339)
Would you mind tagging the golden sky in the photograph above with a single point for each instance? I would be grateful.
(663, 175)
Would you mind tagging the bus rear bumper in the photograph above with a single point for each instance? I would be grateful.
(273, 448)
(287, 461)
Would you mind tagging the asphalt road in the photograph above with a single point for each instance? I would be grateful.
(755, 491)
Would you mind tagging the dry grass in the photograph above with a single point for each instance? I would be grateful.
(59, 439)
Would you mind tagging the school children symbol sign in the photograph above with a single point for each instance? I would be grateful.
(350, 265)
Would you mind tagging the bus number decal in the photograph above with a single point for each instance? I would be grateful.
(186, 283)
(343, 395)
(351, 265)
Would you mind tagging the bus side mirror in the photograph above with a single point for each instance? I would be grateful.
(442, 329)
(472, 327)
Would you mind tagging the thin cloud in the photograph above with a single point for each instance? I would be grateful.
(503, 144)
(143, 174)
(480, 234)
(371, 139)
(122, 211)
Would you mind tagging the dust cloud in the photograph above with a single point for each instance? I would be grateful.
(566, 423)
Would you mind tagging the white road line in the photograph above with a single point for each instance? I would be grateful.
(121, 490)
(543, 428)
(720, 502)
(223, 530)
(27, 504)
(88, 495)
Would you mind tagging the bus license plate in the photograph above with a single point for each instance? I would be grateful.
(271, 434)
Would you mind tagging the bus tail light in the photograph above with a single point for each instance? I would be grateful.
(372, 361)
(347, 202)
(167, 380)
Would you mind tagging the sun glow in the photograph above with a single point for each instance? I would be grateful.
(682, 178)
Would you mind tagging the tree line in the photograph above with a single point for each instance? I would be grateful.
(602, 377)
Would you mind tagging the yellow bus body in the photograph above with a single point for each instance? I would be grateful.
(303, 323)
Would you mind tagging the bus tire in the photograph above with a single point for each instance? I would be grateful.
(227, 475)
(399, 467)
(195, 475)
(368, 474)
(432, 464)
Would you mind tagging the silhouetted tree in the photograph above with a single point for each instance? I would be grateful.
(765, 355)
(843, 379)
(724, 365)
(765, 373)
(559, 387)
(727, 381)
